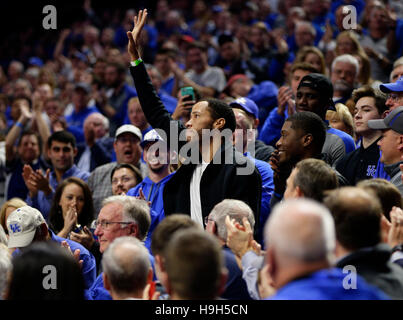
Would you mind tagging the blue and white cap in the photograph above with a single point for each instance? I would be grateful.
(392, 87)
(246, 104)
(21, 225)
(150, 136)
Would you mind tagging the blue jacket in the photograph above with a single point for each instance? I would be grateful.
(98, 291)
(266, 173)
(89, 267)
(43, 202)
(154, 193)
(264, 95)
(327, 284)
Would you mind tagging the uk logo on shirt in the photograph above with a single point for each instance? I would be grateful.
(371, 170)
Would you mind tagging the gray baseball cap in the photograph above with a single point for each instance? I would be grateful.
(394, 121)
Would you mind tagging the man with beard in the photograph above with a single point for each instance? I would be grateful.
(345, 69)
(113, 104)
(212, 170)
(157, 158)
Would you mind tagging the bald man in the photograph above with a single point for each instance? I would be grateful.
(300, 240)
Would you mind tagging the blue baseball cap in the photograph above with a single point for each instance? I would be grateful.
(246, 104)
(35, 61)
(150, 137)
(392, 87)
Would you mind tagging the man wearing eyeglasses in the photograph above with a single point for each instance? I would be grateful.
(394, 91)
(120, 216)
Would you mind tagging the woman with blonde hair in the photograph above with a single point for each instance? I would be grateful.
(8, 207)
(341, 119)
(313, 56)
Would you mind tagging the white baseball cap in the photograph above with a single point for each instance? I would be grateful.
(128, 128)
(22, 224)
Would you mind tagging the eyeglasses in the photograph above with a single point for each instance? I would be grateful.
(105, 224)
(206, 220)
(394, 97)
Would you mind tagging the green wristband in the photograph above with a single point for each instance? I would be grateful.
(135, 63)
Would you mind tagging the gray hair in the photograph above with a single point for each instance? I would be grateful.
(306, 24)
(301, 229)
(235, 209)
(126, 263)
(134, 210)
(105, 120)
(347, 58)
(5, 268)
(24, 82)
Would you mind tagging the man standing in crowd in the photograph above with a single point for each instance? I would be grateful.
(197, 187)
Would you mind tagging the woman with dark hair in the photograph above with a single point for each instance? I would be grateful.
(72, 207)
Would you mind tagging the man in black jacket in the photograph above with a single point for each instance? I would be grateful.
(357, 216)
(215, 171)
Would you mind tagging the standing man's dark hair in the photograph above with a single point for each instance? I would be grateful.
(197, 186)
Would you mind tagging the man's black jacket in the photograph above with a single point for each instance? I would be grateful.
(219, 181)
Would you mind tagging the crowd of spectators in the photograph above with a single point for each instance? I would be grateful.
(90, 162)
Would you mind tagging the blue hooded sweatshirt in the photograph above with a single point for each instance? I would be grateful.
(154, 193)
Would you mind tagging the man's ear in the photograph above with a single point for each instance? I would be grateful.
(75, 151)
(160, 261)
(219, 123)
(299, 192)
(400, 145)
(256, 123)
(307, 140)
(105, 278)
(134, 229)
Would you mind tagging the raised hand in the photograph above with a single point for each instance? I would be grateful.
(239, 237)
(27, 171)
(75, 254)
(395, 236)
(283, 97)
(134, 36)
(41, 180)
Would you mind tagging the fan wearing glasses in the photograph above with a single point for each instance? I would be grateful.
(120, 216)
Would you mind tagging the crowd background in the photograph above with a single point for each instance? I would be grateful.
(71, 120)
